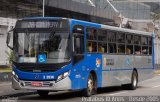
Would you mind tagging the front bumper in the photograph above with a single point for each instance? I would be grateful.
(64, 84)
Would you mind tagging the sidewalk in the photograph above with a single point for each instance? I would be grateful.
(7, 91)
(157, 71)
(5, 76)
(5, 73)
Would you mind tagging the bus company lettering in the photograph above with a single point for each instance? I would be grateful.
(42, 24)
(108, 62)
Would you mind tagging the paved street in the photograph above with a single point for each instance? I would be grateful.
(150, 87)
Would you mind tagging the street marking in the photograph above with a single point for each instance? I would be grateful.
(117, 93)
(156, 86)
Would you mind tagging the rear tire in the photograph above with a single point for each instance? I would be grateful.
(91, 86)
(42, 93)
(134, 81)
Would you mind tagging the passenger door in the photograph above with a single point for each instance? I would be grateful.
(78, 43)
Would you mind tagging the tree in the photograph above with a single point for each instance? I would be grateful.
(9, 55)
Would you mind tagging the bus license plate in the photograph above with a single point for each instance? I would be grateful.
(37, 84)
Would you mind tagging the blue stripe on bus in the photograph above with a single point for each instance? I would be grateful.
(116, 69)
(84, 23)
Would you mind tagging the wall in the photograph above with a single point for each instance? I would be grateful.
(5, 25)
(3, 47)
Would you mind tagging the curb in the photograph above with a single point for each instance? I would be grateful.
(5, 76)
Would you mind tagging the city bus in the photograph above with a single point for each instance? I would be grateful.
(63, 54)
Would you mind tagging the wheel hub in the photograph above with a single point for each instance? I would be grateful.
(90, 84)
(134, 81)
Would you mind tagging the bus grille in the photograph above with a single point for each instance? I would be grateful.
(45, 84)
(35, 67)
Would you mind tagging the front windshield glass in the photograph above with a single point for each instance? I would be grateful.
(52, 47)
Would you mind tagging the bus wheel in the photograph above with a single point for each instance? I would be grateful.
(134, 81)
(42, 93)
(91, 86)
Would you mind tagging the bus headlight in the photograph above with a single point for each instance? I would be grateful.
(62, 76)
(66, 74)
(15, 75)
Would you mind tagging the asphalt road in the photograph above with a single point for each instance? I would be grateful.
(149, 89)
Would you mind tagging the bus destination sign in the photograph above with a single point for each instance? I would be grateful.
(41, 24)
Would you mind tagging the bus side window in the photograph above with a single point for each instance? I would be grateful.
(91, 34)
(102, 41)
(111, 42)
(144, 43)
(91, 40)
(137, 45)
(120, 42)
(91, 46)
(129, 44)
(150, 45)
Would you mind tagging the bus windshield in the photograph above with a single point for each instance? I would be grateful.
(54, 45)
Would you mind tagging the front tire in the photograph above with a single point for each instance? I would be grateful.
(91, 86)
(42, 93)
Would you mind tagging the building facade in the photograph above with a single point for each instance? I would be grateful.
(99, 11)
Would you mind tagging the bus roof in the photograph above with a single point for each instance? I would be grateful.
(34, 18)
(95, 24)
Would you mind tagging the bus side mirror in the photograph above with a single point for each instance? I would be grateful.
(9, 40)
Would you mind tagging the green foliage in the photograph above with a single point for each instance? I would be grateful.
(9, 55)
(5, 69)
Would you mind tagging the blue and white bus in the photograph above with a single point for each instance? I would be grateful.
(55, 54)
